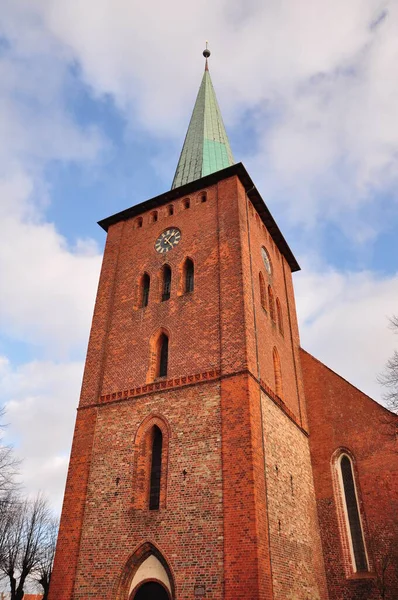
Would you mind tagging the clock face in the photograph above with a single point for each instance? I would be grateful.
(167, 240)
(266, 260)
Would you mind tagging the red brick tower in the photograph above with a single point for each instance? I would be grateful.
(190, 473)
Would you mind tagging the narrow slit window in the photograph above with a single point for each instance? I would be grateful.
(145, 286)
(189, 276)
(163, 355)
(279, 316)
(154, 216)
(263, 297)
(271, 302)
(203, 197)
(187, 203)
(166, 283)
(354, 520)
(170, 210)
(156, 469)
(138, 223)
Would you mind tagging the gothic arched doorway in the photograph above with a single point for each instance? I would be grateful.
(151, 591)
(146, 576)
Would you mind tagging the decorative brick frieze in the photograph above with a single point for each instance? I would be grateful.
(148, 388)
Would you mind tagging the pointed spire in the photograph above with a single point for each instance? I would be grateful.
(206, 147)
(206, 54)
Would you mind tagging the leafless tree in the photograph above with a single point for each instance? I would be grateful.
(389, 378)
(46, 560)
(8, 465)
(383, 544)
(25, 537)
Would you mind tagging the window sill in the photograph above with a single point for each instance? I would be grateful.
(361, 575)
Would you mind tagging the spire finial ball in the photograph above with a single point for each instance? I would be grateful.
(206, 52)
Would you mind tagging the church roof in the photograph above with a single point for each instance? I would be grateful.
(206, 147)
(193, 186)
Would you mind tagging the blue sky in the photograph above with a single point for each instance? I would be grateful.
(95, 99)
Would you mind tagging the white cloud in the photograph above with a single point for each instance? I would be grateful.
(344, 321)
(47, 287)
(323, 71)
(47, 283)
(48, 290)
(41, 398)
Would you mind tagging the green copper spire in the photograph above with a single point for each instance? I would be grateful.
(206, 147)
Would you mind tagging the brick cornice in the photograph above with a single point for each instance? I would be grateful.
(165, 385)
(160, 385)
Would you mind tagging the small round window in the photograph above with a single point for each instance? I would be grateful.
(266, 260)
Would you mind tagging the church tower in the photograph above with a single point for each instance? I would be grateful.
(190, 473)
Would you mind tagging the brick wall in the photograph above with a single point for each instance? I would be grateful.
(342, 417)
(214, 526)
(262, 331)
(188, 530)
(68, 543)
(293, 522)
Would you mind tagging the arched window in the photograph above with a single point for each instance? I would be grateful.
(352, 514)
(263, 296)
(277, 373)
(154, 216)
(170, 210)
(156, 469)
(187, 203)
(166, 287)
(271, 303)
(203, 197)
(163, 355)
(279, 316)
(150, 462)
(145, 286)
(138, 223)
(188, 276)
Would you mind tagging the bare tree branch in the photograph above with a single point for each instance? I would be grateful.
(8, 465)
(45, 567)
(389, 378)
(25, 536)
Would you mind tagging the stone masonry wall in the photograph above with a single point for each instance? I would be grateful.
(297, 560)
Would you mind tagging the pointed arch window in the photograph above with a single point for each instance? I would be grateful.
(145, 287)
(352, 513)
(156, 469)
(277, 373)
(166, 287)
(263, 296)
(271, 302)
(189, 276)
(279, 316)
(163, 355)
(151, 452)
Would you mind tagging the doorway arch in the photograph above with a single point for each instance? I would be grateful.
(146, 565)
(150, 590)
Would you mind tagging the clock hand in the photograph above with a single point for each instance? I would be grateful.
(169, 238)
